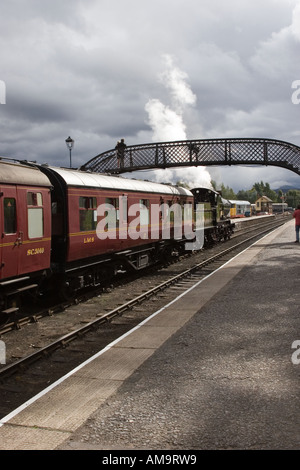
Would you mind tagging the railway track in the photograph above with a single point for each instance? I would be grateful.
(37, 314)
(23, 377)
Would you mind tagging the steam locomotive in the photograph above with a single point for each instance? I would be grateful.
(53, 235)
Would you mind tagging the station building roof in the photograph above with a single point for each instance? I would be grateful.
(239, 203)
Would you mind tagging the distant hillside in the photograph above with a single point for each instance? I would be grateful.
(286, 188)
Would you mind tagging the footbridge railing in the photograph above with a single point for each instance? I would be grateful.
(204, 152)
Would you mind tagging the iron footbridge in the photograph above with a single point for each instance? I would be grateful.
(204, 152)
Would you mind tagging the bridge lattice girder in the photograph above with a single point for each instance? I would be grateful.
(207, 152)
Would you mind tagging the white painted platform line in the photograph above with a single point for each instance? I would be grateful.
(113, 343)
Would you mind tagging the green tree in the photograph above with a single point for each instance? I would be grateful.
(227, 192)
(292, 198)
(263, 189)
(248, 195)
(183, 185)
(214, 184)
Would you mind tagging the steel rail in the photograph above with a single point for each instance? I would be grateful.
(68, 338)
(34, 318)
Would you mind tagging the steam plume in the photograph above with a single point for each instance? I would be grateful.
(167, 122)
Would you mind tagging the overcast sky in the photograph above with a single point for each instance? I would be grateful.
(159, 70)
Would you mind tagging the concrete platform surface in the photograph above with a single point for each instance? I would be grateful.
(215, 369)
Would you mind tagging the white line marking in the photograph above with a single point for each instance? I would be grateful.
(109, 346)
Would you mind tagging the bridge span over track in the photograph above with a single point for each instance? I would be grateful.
(205, 152)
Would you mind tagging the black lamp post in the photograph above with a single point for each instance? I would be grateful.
(70, 144)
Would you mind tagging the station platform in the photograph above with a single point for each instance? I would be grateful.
(215, 369)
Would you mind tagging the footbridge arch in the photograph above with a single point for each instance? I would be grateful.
(204, 152)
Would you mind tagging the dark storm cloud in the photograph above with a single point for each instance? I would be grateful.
(90, 69)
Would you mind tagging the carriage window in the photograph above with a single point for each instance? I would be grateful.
(87, 213)
(144, 211)
(112, 213)
(187, 211)
(35, 214)
(10, 223)
(168, 211)
(123, 209)
(34, 199)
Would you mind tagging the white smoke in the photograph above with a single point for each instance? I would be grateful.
(167, 123)
(174, 80)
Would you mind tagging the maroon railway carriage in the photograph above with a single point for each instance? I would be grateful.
(67, 229)
(25, 224)
(84, 249)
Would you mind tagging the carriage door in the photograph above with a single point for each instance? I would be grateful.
(10, 235)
